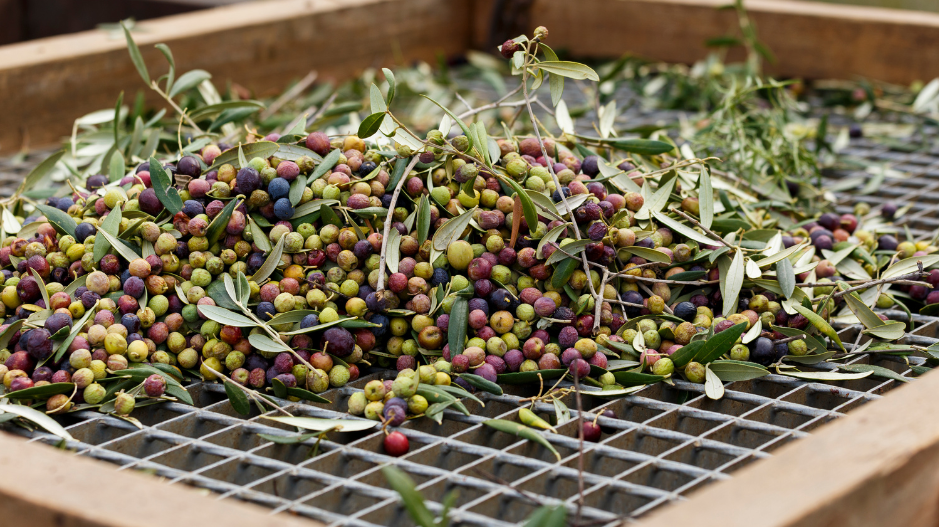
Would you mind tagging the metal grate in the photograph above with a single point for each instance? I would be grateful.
(665, 442)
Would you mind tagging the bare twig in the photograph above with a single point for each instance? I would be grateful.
(251, 393)
(497, 104)
(709, 232)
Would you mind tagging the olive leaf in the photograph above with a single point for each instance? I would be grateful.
(38, 418)
(237, 398)
(732, 273)
(705, 198)
(423, 219)
(188, 81)
(60, 220)
(262, 149)
(452, 230)
(122, 248)
(135, 55)
(786, 277)
(456, 332)
(877, 371)
(719, 344)
(571, 70)
(683, 229)
(909, 265)
(713, 387)
(732, 370)
(820, 324)
(370, 125)
(37, 174)
(111, 225)
(511, 427)
(271, 262)
(891, 330)
(322, 425)
(215, 230)
(163, 186)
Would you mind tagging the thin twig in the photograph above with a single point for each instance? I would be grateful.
(705, 229)
(497, 104)
(251, 393)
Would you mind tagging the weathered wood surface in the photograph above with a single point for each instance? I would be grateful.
(47, 83)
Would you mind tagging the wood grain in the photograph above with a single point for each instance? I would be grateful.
(51, 487)
(262, 46)
(810, 39)
(878, 466)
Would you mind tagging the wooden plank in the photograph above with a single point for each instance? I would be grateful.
(877, 466)
(810, 39)
(262, 46)
(56, 487)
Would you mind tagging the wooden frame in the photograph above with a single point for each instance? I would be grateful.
(878, 466)
(46, 84)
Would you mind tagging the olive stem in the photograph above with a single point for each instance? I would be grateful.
(599, 303)
(709, 232)
(176, 107)
(251, 393)
(554, 177)
(380, 286)
(491, 106)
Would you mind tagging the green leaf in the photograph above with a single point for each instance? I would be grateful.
(456, 332)
(116, 166)
(188, 81)
(271, 262)
(237, 398)
(632, 378)
(732, 370)
(265, 343)
(527, 377)
(683, 229)
(563, 272)
(312, 206)
(528, 206)
(910, 265)
(475, 380)
(412, 499)
(216, 291)
(217, 228)
(466, 131)
(649, 254)
(706, 198)
(786, 277)
(226, 317)
(135, 55)
(35, 175)
(296, 190)
(423, 219)
(307, 395)
(390, 77)
(720, 343)
(819, 323)
(42, 392)
(163, 186)
(242, 160)
(891, 330)
(262, 149)
(38, 418)
(122, 248)
(60, 220)
(548, 516)
(731, 281)
(878, 371)
(516, 429)
(571, 70)
(555, 82)
(646, 147)
(77, 328)
(111, 224)
(370, 125)
(862, 311)
(321, 425)
(451, 231)
(258, 236)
